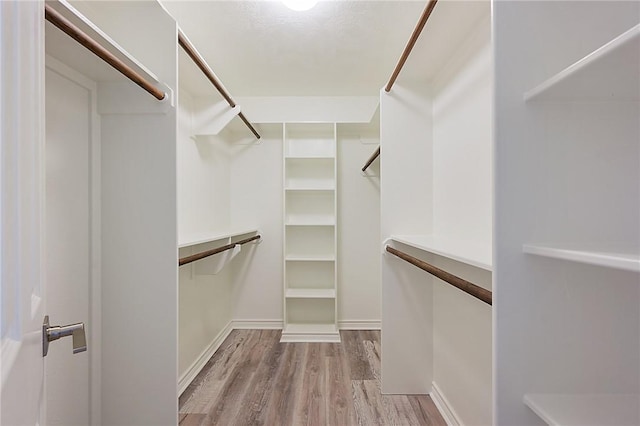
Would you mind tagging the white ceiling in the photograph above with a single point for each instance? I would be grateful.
(262, 48)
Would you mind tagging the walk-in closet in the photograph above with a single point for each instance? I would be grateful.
(249, 212)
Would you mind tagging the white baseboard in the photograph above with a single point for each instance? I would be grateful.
(360, 325)
(441, 402)
(278, 325)
(256, 324)
(201, 361)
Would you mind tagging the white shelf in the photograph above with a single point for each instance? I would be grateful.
(293, 258)
(195, 239)
(611, 72)
(586, 410)
(62, 47)
(310, 188)
(627, 262)
(310, 293)
(311, 222)
(474, 254)
(309, 157)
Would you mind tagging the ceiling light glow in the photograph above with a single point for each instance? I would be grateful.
(299, 5)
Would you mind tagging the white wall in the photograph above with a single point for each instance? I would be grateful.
(358, 226)
(301, 109)
(405, 208)
(462, 210)
(463, 141)
(256, 201)
(205, 308)
(204, 177)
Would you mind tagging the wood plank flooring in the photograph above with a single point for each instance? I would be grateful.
(253, 379)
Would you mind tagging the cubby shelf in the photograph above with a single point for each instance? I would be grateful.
(310, 188)
(586, 410)
(310, 293)
(627, 262)
(294, 258)
(310, 234)
(308, 157)
(311, 222)
(474, 254)
(611, 72)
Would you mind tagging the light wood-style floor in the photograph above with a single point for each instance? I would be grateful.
(255, 380)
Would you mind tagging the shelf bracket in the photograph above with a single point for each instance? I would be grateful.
(210, 119)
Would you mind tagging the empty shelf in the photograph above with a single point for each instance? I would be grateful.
(474, 254)
(327, 187)
(311, 293)
(311, 222)
(328, 258)
(309, 157)
(627, 262)
(611, 72)
(586, 410)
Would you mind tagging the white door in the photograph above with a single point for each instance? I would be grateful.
(21, 205)
(68, 250)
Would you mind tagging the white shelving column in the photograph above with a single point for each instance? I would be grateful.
(310, 233)
(567, 256)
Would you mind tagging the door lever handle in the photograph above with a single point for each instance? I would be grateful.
(51, 333)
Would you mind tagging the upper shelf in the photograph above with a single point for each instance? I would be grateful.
(195, 239)
(624, 261)
(65, 49)
(611, 72)
(586, 410)
(474, 254)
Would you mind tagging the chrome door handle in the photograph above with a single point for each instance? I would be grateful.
(51, 333)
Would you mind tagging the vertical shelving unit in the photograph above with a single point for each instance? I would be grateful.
(310, 233)
(568, 327)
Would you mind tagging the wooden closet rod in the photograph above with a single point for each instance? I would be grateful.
(464, 285)
(371, 159)
(74, 32)
(202, 255)
(412, 41)
(197, 59)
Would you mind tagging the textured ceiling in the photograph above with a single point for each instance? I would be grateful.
(261, 48)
